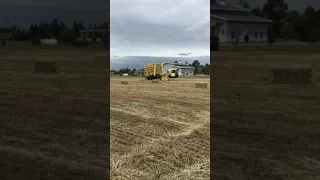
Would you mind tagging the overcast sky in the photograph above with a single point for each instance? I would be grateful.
(159, 28)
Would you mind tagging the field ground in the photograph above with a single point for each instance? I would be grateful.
(53, 127)
(262, 130)
(160, 130)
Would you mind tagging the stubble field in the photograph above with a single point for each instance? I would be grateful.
(160, 130)
(53, 126)
(56, 125)
(262, 130)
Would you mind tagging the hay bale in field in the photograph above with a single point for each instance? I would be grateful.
(201, 85)
(124, 82)
(292, 75)
(45, 67)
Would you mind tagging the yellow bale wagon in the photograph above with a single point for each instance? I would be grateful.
(158, 71)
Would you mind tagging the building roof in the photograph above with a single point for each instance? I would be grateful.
(242, 18)
(218, 7)
(177, 64)
(244, 15)
(184, 67)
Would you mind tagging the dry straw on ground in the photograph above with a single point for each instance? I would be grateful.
(53, 129)
(159, 132)
(45, 67)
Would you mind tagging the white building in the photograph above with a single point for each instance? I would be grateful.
(183, 69)
(5, 35)
(236, 23)
(97, 35)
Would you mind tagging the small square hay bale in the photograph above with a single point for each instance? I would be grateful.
(124, 82)
(45, 67)
(201, 85)
(292, 75)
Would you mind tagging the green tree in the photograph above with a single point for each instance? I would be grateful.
(270, 34)
(245, 4)
(196, 65)
(309, 22)
(295, 19)
(287, 31)
(275, 10)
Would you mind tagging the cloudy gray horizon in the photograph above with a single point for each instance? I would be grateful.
(138, 62)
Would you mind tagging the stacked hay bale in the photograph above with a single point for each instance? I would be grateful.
(45, 67)
(201, 85)
(292, 75)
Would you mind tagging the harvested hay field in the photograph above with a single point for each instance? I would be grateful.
(53, 126)
(262, 130)
(160, 131)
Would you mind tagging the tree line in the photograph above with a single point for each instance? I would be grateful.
(288, 24)
(129, 71)
(53, 29)
(198, 69)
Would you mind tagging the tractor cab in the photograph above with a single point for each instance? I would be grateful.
(173, 73)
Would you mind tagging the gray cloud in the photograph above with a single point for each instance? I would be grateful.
(159, 27)
(145, 31)
(184, 54)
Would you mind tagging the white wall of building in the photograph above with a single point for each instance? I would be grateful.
(185, 71)
(49, 41)
(230, 30)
